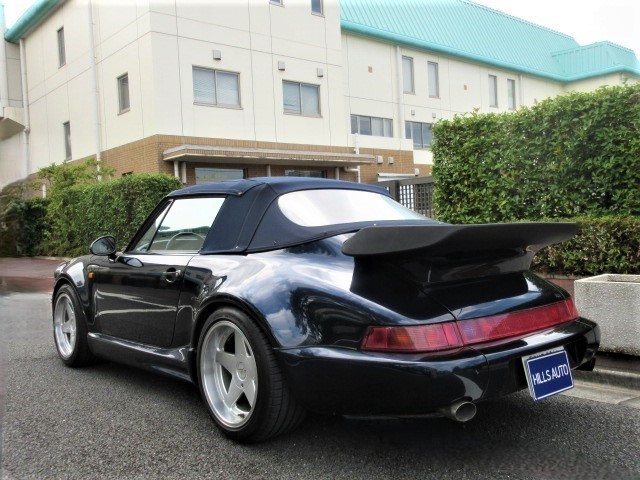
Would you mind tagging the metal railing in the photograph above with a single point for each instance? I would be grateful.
(414, 193)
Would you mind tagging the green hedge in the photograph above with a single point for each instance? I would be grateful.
(78, 215)
(602, 245)
(573, 155)
(21, 226)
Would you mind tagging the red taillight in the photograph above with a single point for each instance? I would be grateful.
(516, 323)
(445, 336)
(421, 338)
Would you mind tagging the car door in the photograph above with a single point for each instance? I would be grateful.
(136, 293)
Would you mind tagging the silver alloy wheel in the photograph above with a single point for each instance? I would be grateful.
(229, 374)
(64, 325)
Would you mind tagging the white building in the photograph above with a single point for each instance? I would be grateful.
(223, 89)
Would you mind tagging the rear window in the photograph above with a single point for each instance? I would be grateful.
(316, 208)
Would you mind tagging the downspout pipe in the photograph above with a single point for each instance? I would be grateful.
(94, 87)
(4, 79)
(400, 90)
(355, 170)
(25, 107)
(521, 93)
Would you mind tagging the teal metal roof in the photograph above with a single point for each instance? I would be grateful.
(597, 57)
(463, 29)
(29, 19)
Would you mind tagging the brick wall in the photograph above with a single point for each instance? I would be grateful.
(146, 156)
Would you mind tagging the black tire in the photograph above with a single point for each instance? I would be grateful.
(73, 348)
(256, 375)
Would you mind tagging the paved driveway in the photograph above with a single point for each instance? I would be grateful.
(111, 421)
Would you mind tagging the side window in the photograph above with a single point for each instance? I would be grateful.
(145, 240)
(183, 227)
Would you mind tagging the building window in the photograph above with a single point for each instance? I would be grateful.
(493, 91)
(420, 133)
(277, 2)
(62, 57)
(301, 98)
(316, 7)
(67, 140)
(123, 93)
(306, 173)
(216, 87)
(205, 175)
(379, 127)
(407, 74)
(511, 92)
(434, 82)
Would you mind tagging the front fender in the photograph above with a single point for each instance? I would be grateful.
(74, 273)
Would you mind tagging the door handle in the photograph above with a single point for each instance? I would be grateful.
(172, 275)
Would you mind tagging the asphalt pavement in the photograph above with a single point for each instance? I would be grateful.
(111, 421)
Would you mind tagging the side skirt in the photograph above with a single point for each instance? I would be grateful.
(173, 362)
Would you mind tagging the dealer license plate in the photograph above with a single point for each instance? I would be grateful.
(548, 373)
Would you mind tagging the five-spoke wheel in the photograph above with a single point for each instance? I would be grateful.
(64, 325)
(70, 329)
(229, 374)
(240, 379)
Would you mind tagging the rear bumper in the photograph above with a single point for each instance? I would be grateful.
(337, 380)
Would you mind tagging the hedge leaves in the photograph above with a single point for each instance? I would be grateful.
(573, 155)
(576, 155)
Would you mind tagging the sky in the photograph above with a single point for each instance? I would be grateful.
(587, 21)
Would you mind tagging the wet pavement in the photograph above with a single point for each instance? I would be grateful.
(27, 274)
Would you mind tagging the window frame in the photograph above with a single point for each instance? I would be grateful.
(411, 76)
(156, 220)
(321, 4)
(216, 103)
(300, 112)
(409, 134)
(435, 81)
(236, 170)
(511, 94)
(62, 52)
(493, 91)
(289, 172)
(385, 122)
(121, 108)
(66, 126)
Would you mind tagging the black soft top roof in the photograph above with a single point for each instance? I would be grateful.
(278, 185)
(251, 221)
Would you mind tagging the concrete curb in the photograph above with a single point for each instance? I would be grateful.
(622, 372)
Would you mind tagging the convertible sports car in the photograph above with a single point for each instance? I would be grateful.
(281, 295)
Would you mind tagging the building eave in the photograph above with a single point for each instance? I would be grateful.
(263, 156)
(30, 19)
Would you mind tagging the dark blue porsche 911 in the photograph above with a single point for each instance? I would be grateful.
(277, 296)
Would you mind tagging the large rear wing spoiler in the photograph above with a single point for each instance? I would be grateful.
(443, 240)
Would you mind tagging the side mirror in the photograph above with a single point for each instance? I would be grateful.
(103, 246)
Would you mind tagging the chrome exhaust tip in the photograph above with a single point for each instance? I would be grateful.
(461, 411)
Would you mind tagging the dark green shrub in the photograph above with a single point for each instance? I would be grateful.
(22, 227)
(79, 214)
(602, 245)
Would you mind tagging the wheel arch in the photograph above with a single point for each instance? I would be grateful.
(65, 280)
(217, 303)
